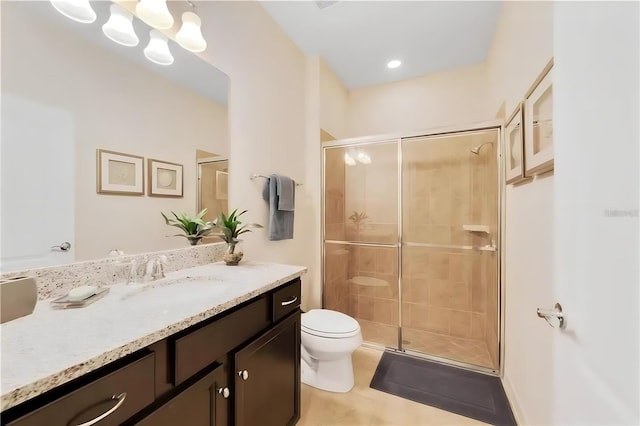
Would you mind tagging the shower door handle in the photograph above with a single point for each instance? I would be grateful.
(554, 317)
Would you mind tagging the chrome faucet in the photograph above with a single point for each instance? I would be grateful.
(154, 269)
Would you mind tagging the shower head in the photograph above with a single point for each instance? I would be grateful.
(476, 150)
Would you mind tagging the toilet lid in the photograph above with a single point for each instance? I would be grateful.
(327, 323)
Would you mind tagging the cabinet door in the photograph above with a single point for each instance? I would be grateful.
(267, 377)
(204, 403)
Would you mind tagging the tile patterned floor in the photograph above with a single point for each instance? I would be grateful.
(458, 349)
(366, 406)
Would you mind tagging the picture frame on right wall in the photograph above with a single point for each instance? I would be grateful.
(514, 146)
(538, 125)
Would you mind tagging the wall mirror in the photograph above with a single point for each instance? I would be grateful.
(67, 92)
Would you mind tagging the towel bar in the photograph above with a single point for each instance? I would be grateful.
(255, 176)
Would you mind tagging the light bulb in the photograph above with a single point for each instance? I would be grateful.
(155, 13)
(119, 27)
(190, 35)
(78, 10)
(158, 49)
(348, 160)
(363, 158)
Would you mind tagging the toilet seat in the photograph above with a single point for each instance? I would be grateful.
(329, 324)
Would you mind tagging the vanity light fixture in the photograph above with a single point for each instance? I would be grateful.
(119, 27)
(190, 35)
(157, 50)
(155, 13)
(78, 10)
(394, 64)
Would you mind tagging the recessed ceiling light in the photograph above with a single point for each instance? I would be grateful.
(394, 64)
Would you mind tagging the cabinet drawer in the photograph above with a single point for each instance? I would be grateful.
(286, 299)
(123, 392)
(201, 347)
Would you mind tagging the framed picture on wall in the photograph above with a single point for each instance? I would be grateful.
(165, 179)
(515, 146)
(538, 124)
(118, 173)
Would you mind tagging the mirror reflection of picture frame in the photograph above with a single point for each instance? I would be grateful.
(538, 125)
(165, 179)
(514, 146)
(119, 173)
(222, 185)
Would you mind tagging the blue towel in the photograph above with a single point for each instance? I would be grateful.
(280, 221)
(286, 188)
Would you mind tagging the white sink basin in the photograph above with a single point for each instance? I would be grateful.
(172, 288)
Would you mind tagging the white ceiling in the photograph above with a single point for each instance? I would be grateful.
(358, 38)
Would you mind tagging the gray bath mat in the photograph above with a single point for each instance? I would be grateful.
(452, 389)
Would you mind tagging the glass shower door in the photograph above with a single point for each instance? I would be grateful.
(449, 246)
(361, 237)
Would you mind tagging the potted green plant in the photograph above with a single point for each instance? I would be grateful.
(193, 228)
(231, 228)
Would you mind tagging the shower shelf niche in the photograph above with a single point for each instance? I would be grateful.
(369, 281)
(477, 228)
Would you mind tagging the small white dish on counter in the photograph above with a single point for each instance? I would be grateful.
(80, 297)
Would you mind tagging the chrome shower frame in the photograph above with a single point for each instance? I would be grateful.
(397, 139)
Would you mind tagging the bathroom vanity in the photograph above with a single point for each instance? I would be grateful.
(211, 345)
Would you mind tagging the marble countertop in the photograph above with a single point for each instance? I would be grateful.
(50, 347)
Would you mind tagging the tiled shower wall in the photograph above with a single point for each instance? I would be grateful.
(449, 292)
(377, 299)
(334, 194)
(336, 285)
(373, 189)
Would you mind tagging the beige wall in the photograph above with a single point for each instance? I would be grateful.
(441, 99)
(334, 103)
(523, 44)
(117, 106)
(312, 291)
(268, 130)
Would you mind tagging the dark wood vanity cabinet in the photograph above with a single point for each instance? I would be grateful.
(121, 393)
(241, 367)
(267, 377)
(205, 402)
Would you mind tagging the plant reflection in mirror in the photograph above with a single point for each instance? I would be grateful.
(193, 228)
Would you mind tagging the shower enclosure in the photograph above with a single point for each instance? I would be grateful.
(412, 242)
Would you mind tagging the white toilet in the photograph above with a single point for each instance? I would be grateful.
(328, 340)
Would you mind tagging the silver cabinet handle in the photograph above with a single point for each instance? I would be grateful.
(288, 302)
(120, 398)
(244, 374)
(554, 317)
(225, 392)
(64, 246)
